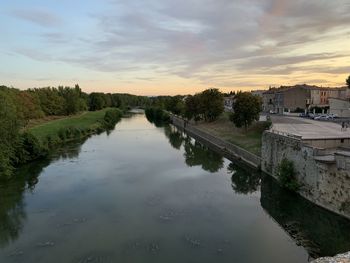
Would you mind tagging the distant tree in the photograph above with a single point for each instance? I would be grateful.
(348, 82)
(96, 101)
(175, 105)
(246, 109)
(211, 104)
(192, 108)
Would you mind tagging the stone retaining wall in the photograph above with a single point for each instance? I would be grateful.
(342, 258)
(324, 178)
(229, 150)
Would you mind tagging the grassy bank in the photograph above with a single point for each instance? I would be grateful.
(88, 121)
(223, 128)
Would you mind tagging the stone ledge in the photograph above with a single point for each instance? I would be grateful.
(342, 258)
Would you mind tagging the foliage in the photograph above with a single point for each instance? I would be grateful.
(193, 108)
(157, 116)
(111, 117)
(247, 108)
(208, 105)
(348, 82)
(9, 129)
(28, 148)
(287, 175)
(18, 107)
(211, 104)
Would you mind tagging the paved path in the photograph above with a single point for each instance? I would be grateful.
(309, 129)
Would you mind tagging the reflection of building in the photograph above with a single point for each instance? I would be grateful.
(299, 98)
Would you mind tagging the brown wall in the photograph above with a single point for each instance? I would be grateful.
(296, 98)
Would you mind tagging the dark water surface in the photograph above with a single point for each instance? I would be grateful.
(147, 194)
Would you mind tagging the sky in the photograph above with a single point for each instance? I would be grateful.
(168, 47)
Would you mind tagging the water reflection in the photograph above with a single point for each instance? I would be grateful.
(199, 154)
(320, 232)
(12, 212)
(244, 180)
(12, 208)
(196, 153)
(175, 136)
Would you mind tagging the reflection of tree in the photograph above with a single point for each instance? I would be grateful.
(244, 181)
(12, 212)
(174, 135)
(198, 154)
(68, 151)
(321, 232)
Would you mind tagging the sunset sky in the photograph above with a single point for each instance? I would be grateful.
(158, 47)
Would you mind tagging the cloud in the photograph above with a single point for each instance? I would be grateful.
(204, 40)
(40, 17)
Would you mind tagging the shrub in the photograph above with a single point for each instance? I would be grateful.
(111, 118)
(287, 175)
(28, 148)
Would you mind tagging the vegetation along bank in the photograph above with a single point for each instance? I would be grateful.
(36, 120)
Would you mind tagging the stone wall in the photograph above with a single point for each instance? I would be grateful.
(229, 150)
(328, 143)
(342, 258)
(325, 178)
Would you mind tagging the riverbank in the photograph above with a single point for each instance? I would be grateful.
(228, 149)
(37, 142)
(223, 128)
(90, 122)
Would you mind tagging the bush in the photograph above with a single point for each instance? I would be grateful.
(287, 175)
(28, 148)
(111, 118)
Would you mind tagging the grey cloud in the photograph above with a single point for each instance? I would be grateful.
(197, 38)
(38, 16)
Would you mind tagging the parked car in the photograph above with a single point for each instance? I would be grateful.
(312, 116)
(304, 115)
(323, 117)
(333, 115)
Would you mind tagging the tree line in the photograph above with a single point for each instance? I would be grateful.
(209, 105)
(18, 107)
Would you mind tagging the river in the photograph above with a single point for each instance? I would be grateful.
(142, 193)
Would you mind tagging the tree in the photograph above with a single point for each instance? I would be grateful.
(96, 101)
(9, 130)
(208, 105)
(348, 82)
(211, 104)
(192, 107)
(247, 108)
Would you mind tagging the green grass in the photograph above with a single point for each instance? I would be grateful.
(249, 140)
(86, 120)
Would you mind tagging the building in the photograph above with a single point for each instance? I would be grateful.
(300, 98)
(340, 107)
(268, 101)
(320, 96)
(258, 93)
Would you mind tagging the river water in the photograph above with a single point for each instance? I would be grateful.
(142, 193)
